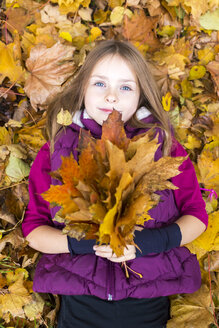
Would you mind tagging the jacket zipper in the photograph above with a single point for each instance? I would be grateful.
(110, 282)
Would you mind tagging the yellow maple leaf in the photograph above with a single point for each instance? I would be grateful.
(107, 227)
(208, 170)
(67, 6)
(95, 32)
(192, 142)
(5, 137)
(209, 240)
(197, 9)
(166, 101)
(32, 135)
(16, 298)
(206, 55)
(34, 309)
(169, 57)
(192, 310)
(8, 66)
(187, 88)
(115, 3)
(100, 16)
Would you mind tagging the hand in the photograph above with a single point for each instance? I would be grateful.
(107, 252)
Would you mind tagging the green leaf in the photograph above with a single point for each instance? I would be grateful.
(210, 20)
(17, 169)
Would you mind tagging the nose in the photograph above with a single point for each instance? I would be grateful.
(111, 97)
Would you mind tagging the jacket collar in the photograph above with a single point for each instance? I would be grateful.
(81, 119)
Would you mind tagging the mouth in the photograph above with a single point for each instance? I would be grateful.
(106, 110)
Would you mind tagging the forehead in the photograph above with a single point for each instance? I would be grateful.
(114, 66)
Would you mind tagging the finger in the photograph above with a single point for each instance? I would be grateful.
(102, 248)
(121, 258)
(103, 254)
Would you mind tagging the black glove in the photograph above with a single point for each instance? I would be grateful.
(84, 246)
(157, 240)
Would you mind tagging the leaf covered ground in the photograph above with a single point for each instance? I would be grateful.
(42, 45)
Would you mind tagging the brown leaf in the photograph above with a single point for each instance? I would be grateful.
(192, 310)
(15, 238)
(113, 131)
(213, 68)
(211, 263)
(49, 69)
(140, 28)
(6, 216)
(18, 19)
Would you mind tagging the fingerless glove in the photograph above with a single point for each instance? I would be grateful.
(84, 246)
(157, 240)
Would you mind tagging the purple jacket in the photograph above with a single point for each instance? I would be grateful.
(172, 272)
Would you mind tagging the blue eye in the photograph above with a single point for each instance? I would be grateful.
(126, 88)
(99, 84)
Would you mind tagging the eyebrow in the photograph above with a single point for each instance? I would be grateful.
(104, 77)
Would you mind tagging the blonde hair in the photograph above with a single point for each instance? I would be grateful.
(72, 98)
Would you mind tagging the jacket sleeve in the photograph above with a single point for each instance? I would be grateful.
(38, 211)
(188, 197)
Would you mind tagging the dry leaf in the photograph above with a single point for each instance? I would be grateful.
(17, 169)
(64, 117)
(192, 310)
(15, 238)
(209, 170)
(49, 69)
(18, 19)
(7, 217)
(213, 68)
(187, 52)
(9, 67)
(98, 196)
(140, 28)
(16, 298)
(208, 240)
(211, 263)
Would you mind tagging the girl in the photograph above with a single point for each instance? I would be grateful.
(95, 291)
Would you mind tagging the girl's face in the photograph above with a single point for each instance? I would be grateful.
(112, 85)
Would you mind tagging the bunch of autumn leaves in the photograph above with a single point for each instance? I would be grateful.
(111, 188)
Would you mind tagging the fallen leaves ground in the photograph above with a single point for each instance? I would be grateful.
(42, 44)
